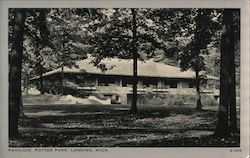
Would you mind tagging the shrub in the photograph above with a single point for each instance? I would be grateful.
(174, 100)
(208, 100)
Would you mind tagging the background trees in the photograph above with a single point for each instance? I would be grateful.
(36, 40)
(192, 37)
(114, 34)
(67, 38)
(123, 33)
(193, 54)
(34, 50)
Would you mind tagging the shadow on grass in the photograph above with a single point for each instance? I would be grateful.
(115, 122)
(204, 141)
(76, 108)
(122, 140)
(99, 113)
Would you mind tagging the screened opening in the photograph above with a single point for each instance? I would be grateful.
(191, 85)
(150, 83)
(106, 81)
(171, 84)
(126, 82)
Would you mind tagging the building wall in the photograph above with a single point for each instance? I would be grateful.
(120, 92)
(184, 84)
(116, 88)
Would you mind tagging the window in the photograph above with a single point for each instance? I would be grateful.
(80, 80)
(126, 82)
(191, 85)
(171, 84)
(150, 83)
(106, 81)
(89, 82)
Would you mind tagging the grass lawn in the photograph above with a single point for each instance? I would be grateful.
(113, 125)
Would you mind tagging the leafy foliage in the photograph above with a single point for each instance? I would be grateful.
(193, 54)
(44, 47)
(110, 34)
(67, 35)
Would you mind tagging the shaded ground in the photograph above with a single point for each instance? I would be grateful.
(113, 125)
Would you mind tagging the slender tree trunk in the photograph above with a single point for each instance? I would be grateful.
(226, 118)
(198, 94)
(26, 88)
(62, 78)
(44, 31)
(21, 113)
(15, 69)
(90, 13)
(26, 83)
(197, 52)
(134, 51)
(41, 78)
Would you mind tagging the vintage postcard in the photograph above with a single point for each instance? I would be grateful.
(124, 78)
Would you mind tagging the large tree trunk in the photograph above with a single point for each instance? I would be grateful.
(232, 116)
(198, 94)
(232, 82)
(15, 68)
(226, 118)
(134, 51)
